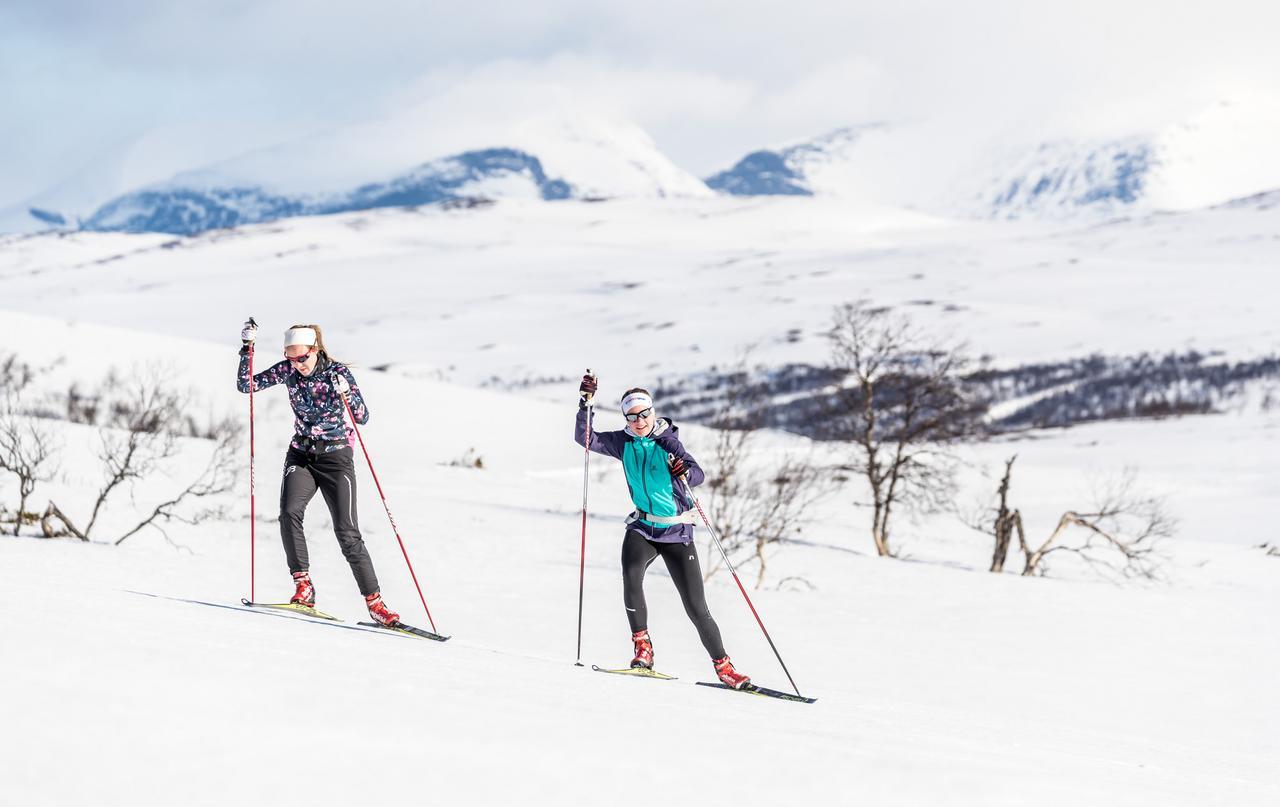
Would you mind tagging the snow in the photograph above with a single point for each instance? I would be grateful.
(937, 682)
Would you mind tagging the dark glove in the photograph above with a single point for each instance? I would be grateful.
(587, 389)
(677, 466)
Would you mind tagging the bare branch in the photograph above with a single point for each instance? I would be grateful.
(1120, 534)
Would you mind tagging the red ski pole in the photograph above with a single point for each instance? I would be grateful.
(582, 556)
(715, 537)
(253, 525)
(390, 518)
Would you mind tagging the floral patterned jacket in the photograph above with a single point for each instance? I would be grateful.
(319, 423)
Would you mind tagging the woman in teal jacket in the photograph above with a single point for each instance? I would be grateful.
(654, 461)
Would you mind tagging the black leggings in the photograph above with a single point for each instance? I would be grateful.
(682, 562)
(333, 474)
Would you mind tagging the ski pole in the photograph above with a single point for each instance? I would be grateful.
(716, 538)
(582, 556)
(253, 542)
(390, 518)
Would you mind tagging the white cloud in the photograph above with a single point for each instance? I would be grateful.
(709, 79)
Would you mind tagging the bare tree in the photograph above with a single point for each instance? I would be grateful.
(901, 404)
(143, 420)
(1118, 535)
(754, 503)
(27, 448)
(219, 476)
(1006, 521)
(27, 451)
(138, 435)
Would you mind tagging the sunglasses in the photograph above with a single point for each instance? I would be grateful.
(632, 417)
(299, 359)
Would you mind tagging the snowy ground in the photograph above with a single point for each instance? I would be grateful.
(937, 682)
(527, 289)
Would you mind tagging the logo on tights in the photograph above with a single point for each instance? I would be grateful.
(290, 469)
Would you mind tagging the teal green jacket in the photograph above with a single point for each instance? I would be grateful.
(644, 461)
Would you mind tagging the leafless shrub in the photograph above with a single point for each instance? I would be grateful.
(755, 505)
(468, 459)
(141, 421)
(1117, 537)
(27, 448)
(901, 405)
(218, 476)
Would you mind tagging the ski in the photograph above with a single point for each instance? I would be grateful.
(406, 630)
(293, 607)
(752, 689)
(640, 672)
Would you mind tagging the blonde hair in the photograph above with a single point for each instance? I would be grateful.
(319, 340)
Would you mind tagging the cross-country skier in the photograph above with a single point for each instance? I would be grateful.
(319, 456)
(653, 458)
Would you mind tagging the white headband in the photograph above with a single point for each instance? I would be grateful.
(300, 336)
(636, 398)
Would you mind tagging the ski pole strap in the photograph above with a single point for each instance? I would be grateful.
(686, 517)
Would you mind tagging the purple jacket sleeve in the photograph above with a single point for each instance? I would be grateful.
(608, 443)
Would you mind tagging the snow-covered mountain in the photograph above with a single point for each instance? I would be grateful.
(1220, 153)
(556, 158)
(185, 208)
(1068, 177)
(798, 169)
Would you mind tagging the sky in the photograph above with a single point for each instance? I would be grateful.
(124, 93)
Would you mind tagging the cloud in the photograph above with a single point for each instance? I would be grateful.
(709, 79)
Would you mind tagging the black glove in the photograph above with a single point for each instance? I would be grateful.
(677, 466)
(587, 389)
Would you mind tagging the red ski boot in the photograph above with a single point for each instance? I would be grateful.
(305, 593)
(378, 610)
(728, 675)
(644, 650)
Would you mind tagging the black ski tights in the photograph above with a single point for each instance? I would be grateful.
(333, 474)
(682, 562)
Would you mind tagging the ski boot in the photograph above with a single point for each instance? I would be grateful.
(644, 650)
(728, 675)
(305, 593)
(378, 610)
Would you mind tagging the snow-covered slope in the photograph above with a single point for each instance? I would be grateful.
(937, 682)
(507, 291)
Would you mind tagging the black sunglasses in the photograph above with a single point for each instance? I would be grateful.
(299, 359)
(644, 413)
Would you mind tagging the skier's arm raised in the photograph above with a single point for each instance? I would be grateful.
(269, 377)
(608, 443)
